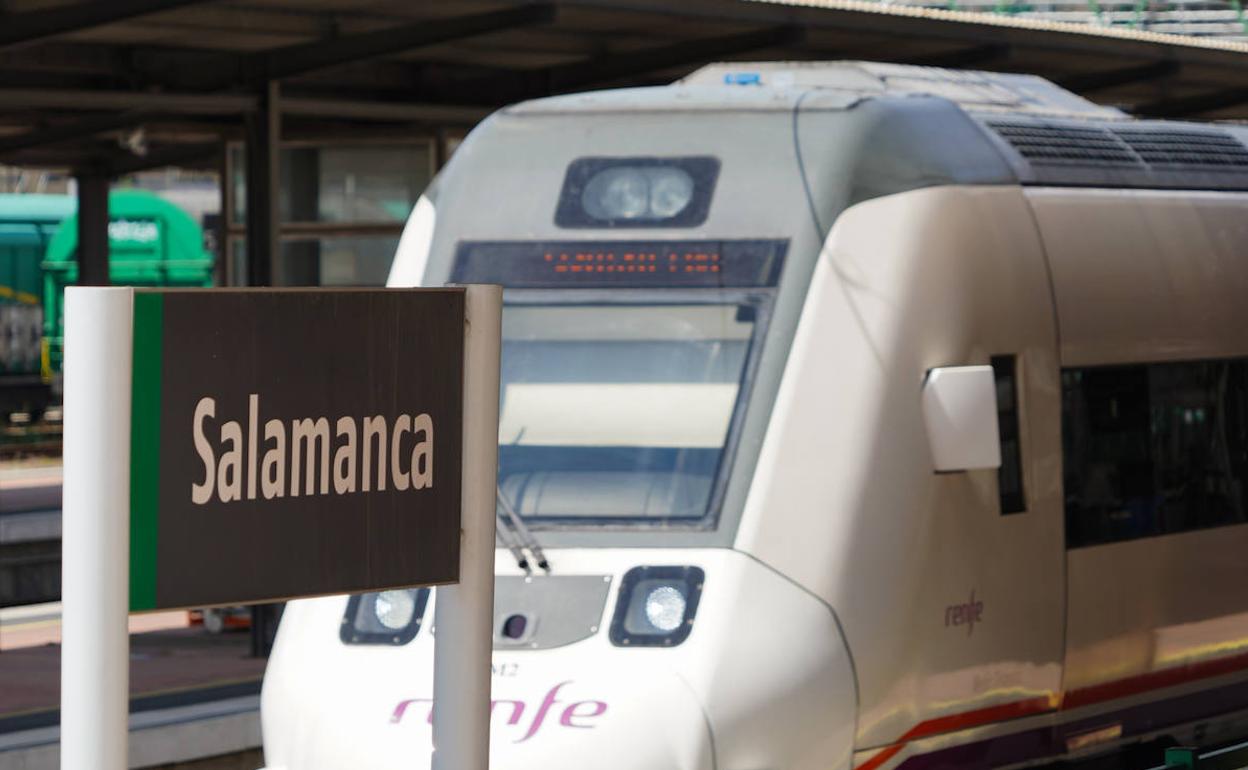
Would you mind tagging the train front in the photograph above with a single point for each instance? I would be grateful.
(655, 246)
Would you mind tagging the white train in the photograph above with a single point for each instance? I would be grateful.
(746, 413)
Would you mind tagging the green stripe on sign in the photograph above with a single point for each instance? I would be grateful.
(145, 446)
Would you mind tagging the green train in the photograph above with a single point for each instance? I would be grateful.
(151, 243)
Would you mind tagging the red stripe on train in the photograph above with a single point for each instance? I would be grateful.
(1084, 696)
(1154, 680)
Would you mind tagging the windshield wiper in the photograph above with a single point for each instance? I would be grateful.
(522, 533)
(506, 538)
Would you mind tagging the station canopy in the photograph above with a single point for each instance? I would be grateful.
(122, 85)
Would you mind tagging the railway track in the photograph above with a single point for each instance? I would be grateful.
(42, 440)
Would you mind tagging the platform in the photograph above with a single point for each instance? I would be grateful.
(193, 694)
(30, 531)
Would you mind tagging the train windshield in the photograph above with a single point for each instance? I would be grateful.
(621, 412)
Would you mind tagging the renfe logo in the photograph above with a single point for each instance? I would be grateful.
(411, 463)
(577, 714)
(965, 614)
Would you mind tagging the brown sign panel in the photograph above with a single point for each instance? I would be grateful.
(293, 443)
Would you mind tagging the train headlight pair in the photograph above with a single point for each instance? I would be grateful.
(384, 617)
(638, 193)
(656, 606)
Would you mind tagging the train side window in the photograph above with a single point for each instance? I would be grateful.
(1010, 475)
(1154, 449)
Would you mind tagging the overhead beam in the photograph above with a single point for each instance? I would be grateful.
(1179, 107)
(965, 57)
(215, 70)
(30, 26)
(228, 105)
(1125, 76)
(263, 68)
(162, 101)
(82, 128)
(320, 54)
(169, 155)
(604, 69)
(405, 112)
(516, 86)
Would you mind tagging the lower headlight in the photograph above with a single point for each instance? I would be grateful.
(385, 617)
(656, 606)
(665, 608)
(394, 609)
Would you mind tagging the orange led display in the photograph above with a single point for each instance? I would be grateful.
(622, 263)
(631, 262)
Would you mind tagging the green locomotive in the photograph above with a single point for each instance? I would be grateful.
(151, 243)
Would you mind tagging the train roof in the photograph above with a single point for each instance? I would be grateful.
(35, 208)
(1046, 134)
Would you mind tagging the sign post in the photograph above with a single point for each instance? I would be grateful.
(234, 446)
(463, 619)
(95, 544)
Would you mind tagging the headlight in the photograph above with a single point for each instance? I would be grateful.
(386, 617)
(394, 609)
(665, 607)
(637, 192)
(656, 606)
(622, 192)
(671, 189)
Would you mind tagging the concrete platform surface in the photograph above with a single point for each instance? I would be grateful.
(169, 667)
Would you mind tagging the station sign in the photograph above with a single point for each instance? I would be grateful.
(293, 443)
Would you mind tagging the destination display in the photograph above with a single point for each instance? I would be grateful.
(293, 443)
(626, 264)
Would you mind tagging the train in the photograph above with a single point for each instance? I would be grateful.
(151, 243)
(853, 415)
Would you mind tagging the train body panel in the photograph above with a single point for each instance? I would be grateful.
(859, 609)
(1143, 275)
(907, 283)
(1149, 288)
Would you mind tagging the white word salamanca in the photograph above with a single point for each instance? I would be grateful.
(307, 456)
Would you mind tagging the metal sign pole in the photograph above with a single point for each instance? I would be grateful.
(95, 661)
(464, 613)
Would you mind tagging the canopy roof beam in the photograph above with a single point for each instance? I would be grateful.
(195, 154)
(517, 86)
(1192, 105)
(81, 128)
(215, 71)
(30, 26)
(320, 54)
(1098, 81)
(965, 57)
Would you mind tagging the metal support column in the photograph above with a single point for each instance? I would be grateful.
(263, 134)
(93, 229)
(263, 155)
